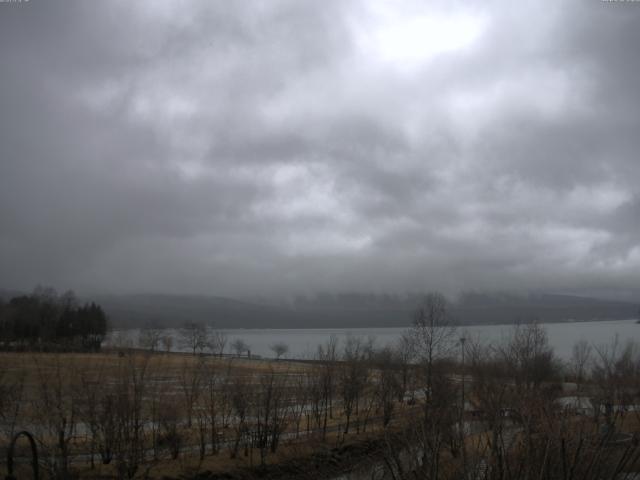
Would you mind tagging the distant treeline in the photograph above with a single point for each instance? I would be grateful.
(47, 321)
(354, 310)
(350, 310)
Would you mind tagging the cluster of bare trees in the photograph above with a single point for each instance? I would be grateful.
(526, 415)
(194, 337)
(446, 405)
(134, 410)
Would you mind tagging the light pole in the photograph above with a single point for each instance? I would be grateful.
(462, 342)
(462, 433)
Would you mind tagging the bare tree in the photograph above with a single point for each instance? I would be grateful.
(239, 399)
(270, 412)
(279, 349)
(388, 384)
(491, 394)
(149, 337)
(57, 412)
(580, 358)
(301, 396)
(615, 372)
(167, 342)
(315, 387)
(217, 342)
(434, 334)
(91, 393)
(194, 336)
(327, 355)
(11, 403)
(129, 393)
(156, 397)
(213, 408)
(225, 396)
(529, 356)
(240, 347)
(405, 352)
(529, 362)
(191, 378)
(169, 419)
(352, 377)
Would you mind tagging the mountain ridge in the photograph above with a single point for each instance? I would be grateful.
(349, 310)
(224, 312)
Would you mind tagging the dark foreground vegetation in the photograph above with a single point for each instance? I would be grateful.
(46, 321)
(434, 406)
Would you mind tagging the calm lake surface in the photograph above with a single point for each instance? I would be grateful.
(303, 343)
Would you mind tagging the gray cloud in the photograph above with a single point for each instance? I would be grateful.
(286, 146)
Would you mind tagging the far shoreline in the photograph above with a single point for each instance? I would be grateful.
(457, 325)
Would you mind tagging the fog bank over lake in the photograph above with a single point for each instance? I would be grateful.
(303, 343)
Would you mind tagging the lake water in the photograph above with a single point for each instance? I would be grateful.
(303, 343)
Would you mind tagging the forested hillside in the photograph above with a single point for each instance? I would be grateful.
(355, 310)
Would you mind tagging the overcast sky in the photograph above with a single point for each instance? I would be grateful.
(288, 146)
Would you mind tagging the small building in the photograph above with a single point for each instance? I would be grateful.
(576, 404)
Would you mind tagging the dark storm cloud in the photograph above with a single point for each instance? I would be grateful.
(274, 147)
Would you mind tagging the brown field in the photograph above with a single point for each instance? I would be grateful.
(134, 414)
(65, 385)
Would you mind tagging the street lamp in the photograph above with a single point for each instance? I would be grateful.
(462, 342)
(462, 445)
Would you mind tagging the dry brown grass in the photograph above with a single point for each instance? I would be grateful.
(35, 370)
(31, 365)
